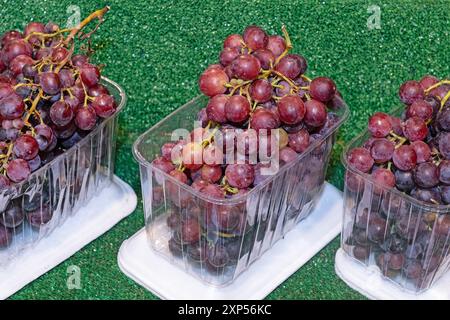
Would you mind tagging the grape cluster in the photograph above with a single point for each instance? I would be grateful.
(258, 96)
(50, 98)
(411, 154)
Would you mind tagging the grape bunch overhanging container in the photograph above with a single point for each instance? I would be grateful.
(406, 240)
(267, 212)
(57, 190)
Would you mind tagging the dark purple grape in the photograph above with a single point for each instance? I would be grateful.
(404, 180)
(35, 163)
(427, 81)
(12, 107)
(316, 113)
(79, 59)
(444, 172)
(444, 144)
(61, 113)
(39, 217)
(426, 175)
(427, 195)
(443, 119)
(15, 48)
(13, 216)
(17, 64)
(445, 194)
(384, 177)
(377, 229)
(412, 269)
(421, 109)
(190, 231)
(422, 150)
(50, 82)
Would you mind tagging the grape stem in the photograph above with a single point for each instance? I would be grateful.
(434, 86)
(32, 109)
(444, 101)
(95, 15)
(46, 35)
(288, 44)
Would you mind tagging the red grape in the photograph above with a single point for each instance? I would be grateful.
(85, 118)
(380, 125)
(213, 191)
(233, 41)
(50, 82)
(212, 155)
(360, 159)
(427, 81)
(67, 79)
(263, 119)
(228, 55)
(421, 109)
(12, 107)
(213, 81)
(216, 108)
(163, 164)
(190, 231)
(90, 74)
(246, 67)
(166, 150)
(18, 170)
(104, 105)
(61, 113)
(265, 57)
(16, 65)
(15, 48)
(316, 113)
(192, 155)
(384, 177)
(261, 90)
(255, 38)
(96, 90)
(79, 59)
(322, 89)
(59, 54)
(26, 147)
(299, 141)
(237, 109)
(240, 175)
(405, 158)
(4, 182)
(199, 184)
(292, 109)
(292, 66)
(9, 36)
(422, 150)
(426, 175)
(288, 154)
(276, 44)
(411, 91)
(415, 129)
(211, 174)
(382, 150)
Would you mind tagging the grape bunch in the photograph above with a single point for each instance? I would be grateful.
(261, 105)
(50, 97)
(411, 154)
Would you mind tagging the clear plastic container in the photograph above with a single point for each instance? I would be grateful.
(257, 219)
(406, 240)
(31, 210)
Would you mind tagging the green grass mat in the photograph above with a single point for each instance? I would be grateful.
(156, 50)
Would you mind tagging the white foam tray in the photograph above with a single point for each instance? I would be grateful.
(105, 210)
(369, 282)
(167, 281)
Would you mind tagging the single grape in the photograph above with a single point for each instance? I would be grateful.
(292, 66)
(233, 41)
(382, 150)
(421, 109)
(85, 118)
(61, 113)
(67, 79)
(245, 67)
(287, 154)
(199, 184)
(380, 125)
(377, 228)
(240, 175)
(316, 113)
(228, 55)
(404, 180)
(211, 174)
(444, 172)
(427, 81)
(190, 231)
(9, 36)
(360, 159)
(261, 90)
(415, 129)
(276, 44)
(443, 119)
(16, 65)
(26, 147)
(237, 109)
(226, 218)
(443, 225)
(79, 59)
(283, 89)
(405, 158)
(163, 164)
(97, 90)
(212, 82)
(412, 269)
(50, 82)
(291, 109)
(299, 141)
(18, 170)
(444, 144)
(192, 155)
(411, 91)
(104, 105)
(255, 38)
(445, 193)
(216, 108)
(15, 48)
(322, 89)
(384, 177)
(35, 163)
(90, 74)
(263, 119)
(427, 195)
(11, 107)
(265, 57)
(426, 175)
(422, 150)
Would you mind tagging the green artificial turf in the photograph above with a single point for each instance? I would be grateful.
(156, 50)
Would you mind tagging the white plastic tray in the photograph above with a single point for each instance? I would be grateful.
(167, 281)
(105, 210)
(369, 282)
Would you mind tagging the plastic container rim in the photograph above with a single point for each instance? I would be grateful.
(240, 198)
